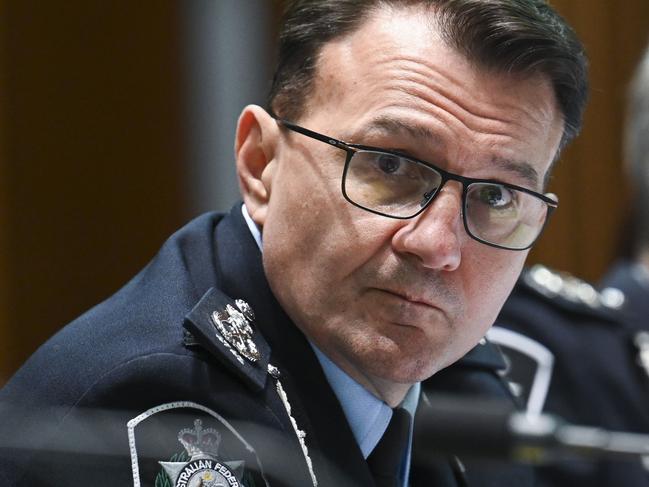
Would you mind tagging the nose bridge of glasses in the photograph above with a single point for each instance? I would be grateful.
(446, 186)
(436, 234)
(444, 207)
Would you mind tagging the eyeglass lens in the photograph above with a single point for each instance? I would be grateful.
(399, 187)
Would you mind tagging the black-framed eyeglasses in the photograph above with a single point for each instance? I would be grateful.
(391, 184)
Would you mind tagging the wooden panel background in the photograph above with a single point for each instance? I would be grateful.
(584, 234)
(91, 137)
(5, 338)
(93, 159)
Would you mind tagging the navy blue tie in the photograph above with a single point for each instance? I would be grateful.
(385, 460)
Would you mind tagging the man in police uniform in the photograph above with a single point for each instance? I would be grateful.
(629, 278)
(572, 354)
(284, 343)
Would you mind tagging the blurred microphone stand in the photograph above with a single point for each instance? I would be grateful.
(487, 429)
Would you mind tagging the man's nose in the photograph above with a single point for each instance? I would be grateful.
(435, 236)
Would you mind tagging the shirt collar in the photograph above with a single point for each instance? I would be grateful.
(254, 229)
(366, 414)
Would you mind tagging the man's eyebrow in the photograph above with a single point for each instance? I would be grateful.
(523, 169)
(386, 125)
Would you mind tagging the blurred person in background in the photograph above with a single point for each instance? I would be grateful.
(571, 352)
(630, 276)
(593, 344)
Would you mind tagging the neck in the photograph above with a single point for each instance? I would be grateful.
(391, 393)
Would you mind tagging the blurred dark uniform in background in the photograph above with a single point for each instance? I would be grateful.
(631, 279)
(600, 373)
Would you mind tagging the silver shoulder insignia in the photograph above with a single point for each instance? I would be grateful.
(203, 469)
(234, 325)
(570, 288)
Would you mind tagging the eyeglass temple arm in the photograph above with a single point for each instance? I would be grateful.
(315, 135)
(551, 200)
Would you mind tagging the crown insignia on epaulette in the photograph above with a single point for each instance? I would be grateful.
(199, 442)
(234, 325)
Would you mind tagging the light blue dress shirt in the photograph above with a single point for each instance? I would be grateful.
(366, 414)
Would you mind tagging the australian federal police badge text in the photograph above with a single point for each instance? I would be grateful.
(203, 468)
(206, 473)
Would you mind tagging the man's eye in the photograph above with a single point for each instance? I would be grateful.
(496, 196)
(389, 163)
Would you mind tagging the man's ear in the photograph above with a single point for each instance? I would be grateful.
(254, 149)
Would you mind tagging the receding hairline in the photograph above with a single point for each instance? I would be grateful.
(372, 13)
(438, 34)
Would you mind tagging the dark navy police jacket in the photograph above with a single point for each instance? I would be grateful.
(144, 390)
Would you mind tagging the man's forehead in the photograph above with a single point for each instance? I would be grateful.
(404, 44)
(408, 33)
(397, 60)
(376, 34)
(382, 26)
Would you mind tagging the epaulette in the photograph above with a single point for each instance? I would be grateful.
(570, 292)
(225, 327)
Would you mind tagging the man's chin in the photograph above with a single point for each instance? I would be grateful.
(400, 370)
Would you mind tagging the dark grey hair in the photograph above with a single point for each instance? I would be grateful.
(517, 36)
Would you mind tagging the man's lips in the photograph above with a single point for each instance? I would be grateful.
(411, 298)
(404, 309)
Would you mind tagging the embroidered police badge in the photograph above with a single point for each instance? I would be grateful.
(203, 468)
(234, 325)
(166, 451)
